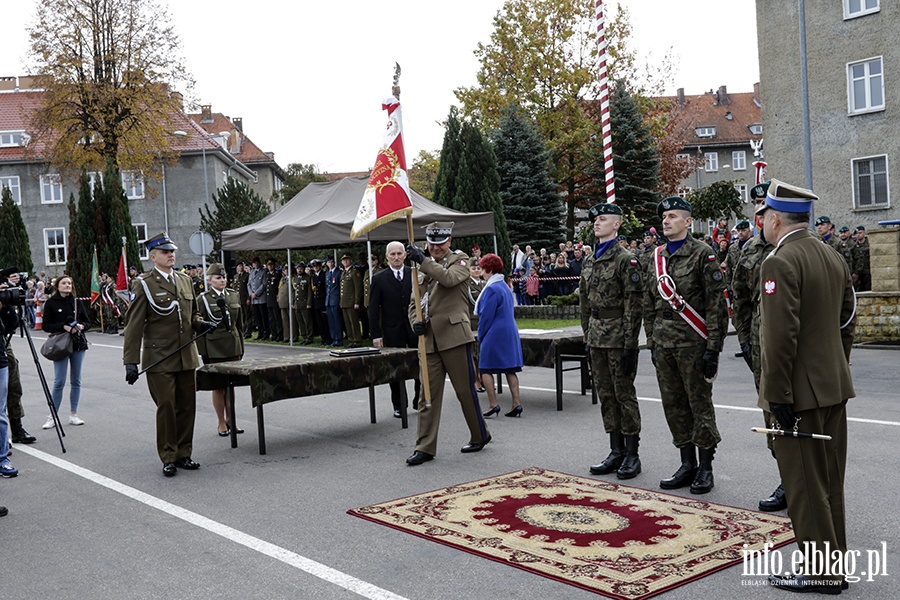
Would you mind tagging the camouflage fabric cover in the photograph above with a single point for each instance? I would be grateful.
(310, 372)
(539, 349)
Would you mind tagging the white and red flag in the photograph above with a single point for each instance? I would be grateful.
(122, 280)
(387, 194)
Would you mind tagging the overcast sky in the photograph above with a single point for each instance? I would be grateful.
(308, 77)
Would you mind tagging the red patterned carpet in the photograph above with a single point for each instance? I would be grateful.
(615, 540)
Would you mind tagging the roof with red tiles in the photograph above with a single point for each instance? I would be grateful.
(731, 114)
(248, 152)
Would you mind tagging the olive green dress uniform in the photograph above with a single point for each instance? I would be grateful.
(240, 284)
(448, 346)
(611, 294)
(686, 395)
(221, 345)
(289, 324)
(861, 266)
(807, 298)
(351, 294)
(303, 306)
(162, 317)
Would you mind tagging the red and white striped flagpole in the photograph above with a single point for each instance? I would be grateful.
(604, 108)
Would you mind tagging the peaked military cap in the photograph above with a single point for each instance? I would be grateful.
(160, 241)
(439, 232)
(604, 208)
(788, 198)
(822, 220)
(216, 269)
(347, 257)
(745, 224)
(758, 191)
(673, 203)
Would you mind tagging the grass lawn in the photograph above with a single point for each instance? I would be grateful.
(546, 323)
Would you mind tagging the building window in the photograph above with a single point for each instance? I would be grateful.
(13, 184)
(865, 86)
(684, 191)
(706, 132)
(756, 129)
(55, 246)
(742, 190)
(858, 8)
(133, 184)
(739, 160)
(51, 189)
(711, 162)
(870, 182)
(13, 139)
(140, 231)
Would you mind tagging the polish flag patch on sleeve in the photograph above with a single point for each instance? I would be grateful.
(769, 286)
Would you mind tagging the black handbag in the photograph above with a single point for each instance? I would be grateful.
(58, 346)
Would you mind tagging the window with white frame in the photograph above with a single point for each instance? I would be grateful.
(865, 86)
(739, 160)
(12, 182)
(858, 8)
(51, 189)
(706, 131)
(12, 138)
(742, 190)
(756, 128)
(711, 162)
(140, 231)
(133, 184)
(55, 246)
(870, 182)
(684, 191)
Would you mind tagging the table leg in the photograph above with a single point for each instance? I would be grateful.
(559, 378)
(230, 399)
(261, 426)
(404, 400)
(372, 403)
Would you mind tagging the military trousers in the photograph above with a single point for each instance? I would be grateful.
(457, 364)
(289, 325)
(686, 396)
(14, 409)
(304, 321)
(615, 390)
(175, 396)
(351, 324)
(275, 325)
(812, 472)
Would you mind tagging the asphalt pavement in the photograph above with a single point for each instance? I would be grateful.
(100, 521)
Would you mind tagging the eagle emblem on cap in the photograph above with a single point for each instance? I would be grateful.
(666, 204)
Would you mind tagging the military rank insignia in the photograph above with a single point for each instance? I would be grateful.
(769, 286)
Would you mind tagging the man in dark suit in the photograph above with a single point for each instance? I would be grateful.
(388, 322)
(806, 329)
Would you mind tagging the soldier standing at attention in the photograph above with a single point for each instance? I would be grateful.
(241, 279)
(162, 318)
(862, 276)
(686, 321)
(273, 278)
(303, 304)
(806, 331)
(351, 299)
(825, 229)
(317, 289)
(610, 294)
(443, 278)
(256, 285)
(226, 342)
(745, 299)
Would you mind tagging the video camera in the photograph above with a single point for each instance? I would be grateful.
(14, 296)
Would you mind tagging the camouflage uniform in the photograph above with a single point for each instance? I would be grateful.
(846, 250)
(610, 294)
(861, 266)
(686, 395)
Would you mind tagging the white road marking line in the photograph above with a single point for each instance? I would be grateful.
(316, 569)
(722, 406)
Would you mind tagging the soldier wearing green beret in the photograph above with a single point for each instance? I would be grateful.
(686, 321)
(846, 246)
(862, 276)
(825, 229)
(226, 342)
(610, 293)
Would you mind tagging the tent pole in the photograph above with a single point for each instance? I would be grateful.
(423, 358)
(495, 245)
(290, 276)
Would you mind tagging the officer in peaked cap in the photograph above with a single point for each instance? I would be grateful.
(445, 325)
(160, 241)
(686, 320)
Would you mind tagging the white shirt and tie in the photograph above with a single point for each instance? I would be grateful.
(398, 273)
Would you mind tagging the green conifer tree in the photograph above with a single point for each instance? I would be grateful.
(236, 205)
(451, 152)
(81, 236)
(118, 225)
(531, 201)
(14, 248)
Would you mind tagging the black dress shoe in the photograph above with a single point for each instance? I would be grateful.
(187, 463)
(475, 447)
(802, 585)
(169, 470)
(238, 430)
(776, 501)
(418, 457)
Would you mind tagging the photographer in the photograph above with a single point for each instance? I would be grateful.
(14, 388)
(63, 312)
(8, 323)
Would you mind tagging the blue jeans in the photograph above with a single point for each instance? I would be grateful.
(59, 380)
(4, 423)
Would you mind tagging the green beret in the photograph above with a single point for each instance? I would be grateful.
(673, 203)
(604, 208)
(843, 229)
(822, 220)
(860, 228)
(758, 191)
(745, 224)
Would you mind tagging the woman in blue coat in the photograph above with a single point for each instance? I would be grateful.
(498, 336)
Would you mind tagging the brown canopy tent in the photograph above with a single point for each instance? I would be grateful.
(321, 215)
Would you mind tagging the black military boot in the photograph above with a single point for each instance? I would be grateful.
(19, 435)
(631, 466)
(703, 482)
(685, 473)
(776, 501)
(615, 458)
